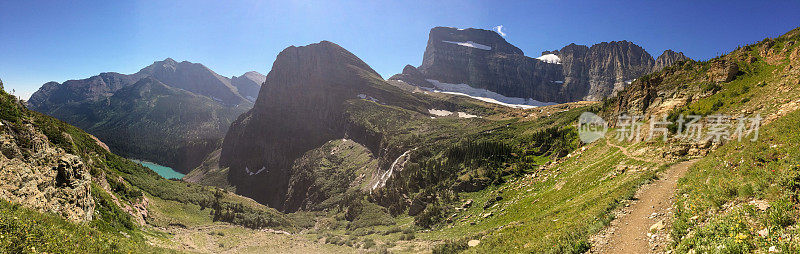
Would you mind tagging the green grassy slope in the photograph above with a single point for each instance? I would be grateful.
(114, 230)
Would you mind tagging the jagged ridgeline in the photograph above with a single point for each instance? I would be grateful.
(481, 62)
(63, 192)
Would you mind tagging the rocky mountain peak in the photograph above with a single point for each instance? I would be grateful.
(196, 78)
(668, 58)
(248, 84)
(255, 76)
(323, 58)
(470, 38)
(300, 107)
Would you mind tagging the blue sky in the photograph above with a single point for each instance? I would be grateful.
(61, 40)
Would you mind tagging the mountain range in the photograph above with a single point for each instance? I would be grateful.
(330, 157)
(457, 59)
(171, 113)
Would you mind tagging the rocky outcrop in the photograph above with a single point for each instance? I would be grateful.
(482, 59)
(37, 175)
(668, 58)
(412, 76)
(722, 70)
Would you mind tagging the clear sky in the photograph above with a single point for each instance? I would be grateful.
(44, 41)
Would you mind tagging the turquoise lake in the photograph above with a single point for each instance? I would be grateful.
(164, 171)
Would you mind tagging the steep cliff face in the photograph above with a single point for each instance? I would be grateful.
(483, 59)
(668, 58)
(601, 70)
(300, 107)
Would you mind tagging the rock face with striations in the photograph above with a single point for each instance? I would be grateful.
(668, 58)
(592, 73)
(482, 59)
(301, 106)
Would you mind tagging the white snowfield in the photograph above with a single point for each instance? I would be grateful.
(550, 58)
(470, 44)
(441, 112)
(485, 95)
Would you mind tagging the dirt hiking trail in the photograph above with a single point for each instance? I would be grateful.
(641, 226)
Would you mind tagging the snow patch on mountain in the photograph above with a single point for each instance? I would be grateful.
(465, 115)
(550, 58)
(470, 44)
(439, 112)
(485, 95)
